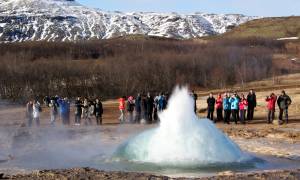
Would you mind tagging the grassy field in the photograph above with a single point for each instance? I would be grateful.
(275, 27)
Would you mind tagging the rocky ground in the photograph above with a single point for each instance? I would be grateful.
(88, 173)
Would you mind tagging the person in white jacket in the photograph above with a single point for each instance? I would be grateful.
(36, 112)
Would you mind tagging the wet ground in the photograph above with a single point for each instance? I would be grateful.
(23, 150)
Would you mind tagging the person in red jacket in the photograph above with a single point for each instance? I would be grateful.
(271, 101)
(122, 109)
(219, 108)
(243, 106)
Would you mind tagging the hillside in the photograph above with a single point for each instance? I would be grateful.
(273, 27)
(65, 20)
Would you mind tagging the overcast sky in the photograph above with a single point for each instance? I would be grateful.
(247, 7)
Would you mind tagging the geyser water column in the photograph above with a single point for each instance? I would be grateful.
(181, 139)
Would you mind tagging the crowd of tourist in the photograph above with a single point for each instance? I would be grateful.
(144, 108)
(59, 107)
(234, 107)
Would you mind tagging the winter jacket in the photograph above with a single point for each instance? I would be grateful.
(284, 101)
(150, 104)
(243, 104)
(251, 99)
(64, 106)
(29, 110)
(78, 107)
(36, 110)
(234, 103)
(271, 101)
(226, 103)
(211, 103)
(121, 104)
(138, 104)
(219, 103)
(98, 109)
(53, 109)
(161, 102)
(130, 105)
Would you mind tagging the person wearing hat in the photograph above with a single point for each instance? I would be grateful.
(283, 102)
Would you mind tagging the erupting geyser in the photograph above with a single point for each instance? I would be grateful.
(182, 139)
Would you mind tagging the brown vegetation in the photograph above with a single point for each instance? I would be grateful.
(116, 67)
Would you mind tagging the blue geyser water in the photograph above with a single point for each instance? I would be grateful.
(182, 139)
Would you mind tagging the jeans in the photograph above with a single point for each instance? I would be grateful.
(242, 116)
(122, 116)
(220, 114)
(77, 118)
(210, 114)
(227, 113)
(138, 115)
(99, 119)
(250, 113)
(286, 115)
(271, 116)
(235, 115)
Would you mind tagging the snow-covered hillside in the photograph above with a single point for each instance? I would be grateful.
(67, 20)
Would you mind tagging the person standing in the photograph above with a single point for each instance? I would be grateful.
(251, 99)
(161, 102)
(243, 106)
(210, 106)
(122, 109)
(53, 112)
(98, 111)
(138, 108)
(130, 108)
(271, 101)
(64, 110)
(78, 111)
(66, 115)
(219, 107)
(150, 105)
(29, 113)
(234, 101)
(155, 115)
(227, 108)
(36, 112)
(195, 97)
(91, 112)
(86, 112)
(284, 101)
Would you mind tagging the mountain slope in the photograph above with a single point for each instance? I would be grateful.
(273, 27)
(67, 20)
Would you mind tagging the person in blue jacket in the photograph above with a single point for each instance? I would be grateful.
(64, 109)
(234, 100)
(227, 108)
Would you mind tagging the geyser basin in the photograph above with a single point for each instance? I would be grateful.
(182, 139)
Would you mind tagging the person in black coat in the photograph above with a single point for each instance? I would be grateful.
(283, 102)
(195, 97)
(98, 111)
(210, 106)
(251, 99)
(150, 105)
(138, 108)
(78, 111)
